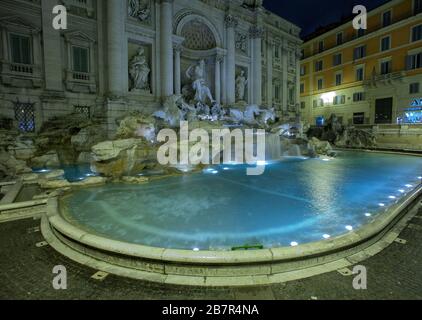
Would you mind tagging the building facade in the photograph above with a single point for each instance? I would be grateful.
(124, 55)
(371, 76)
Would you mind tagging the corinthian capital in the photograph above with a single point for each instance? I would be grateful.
(231, 21)
(256, 32)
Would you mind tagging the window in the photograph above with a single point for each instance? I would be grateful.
(302, 70)
(302, 88)
(339, 79)
(318, 66)
(359, 118)
(20, 49)
(339, 38)
(360, 74)
(302, 105)
(358, 96)
(339, 100)
(385, 43)
(414, 61)
(359, 53)
(320, 46)
(83, 110)
(385, 67)
(360, 33)
(302, 53)
(417, 33)
(320, 84)
(417, 5)
(25, 116)
(414, 88)
(80, 59)
(386, 19)
(318, 103)
(337, 59)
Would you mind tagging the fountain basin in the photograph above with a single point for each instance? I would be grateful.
(210, 267)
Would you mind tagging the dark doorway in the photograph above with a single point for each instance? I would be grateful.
(384, 111)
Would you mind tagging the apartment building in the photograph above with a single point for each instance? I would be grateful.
(371, 76)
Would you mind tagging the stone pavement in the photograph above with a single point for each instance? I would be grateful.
(26, 273)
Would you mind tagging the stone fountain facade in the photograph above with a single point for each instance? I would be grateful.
(121, 56)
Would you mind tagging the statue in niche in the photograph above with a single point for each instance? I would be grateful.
(139, 9)
(196, 73)
(139, 71)
(241, 83)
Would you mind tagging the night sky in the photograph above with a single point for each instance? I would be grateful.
(311, 14)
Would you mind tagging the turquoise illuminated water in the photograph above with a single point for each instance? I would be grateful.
(294, 201)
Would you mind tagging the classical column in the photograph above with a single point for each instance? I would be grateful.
(256, 33)
(177, 74)
(167, 70)
(218, 60)
(270, 53)
(285, 62)
(51, 44)
(231, 24)
(115, 32)
(297, 102)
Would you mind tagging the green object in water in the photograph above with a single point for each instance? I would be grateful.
(249, 247)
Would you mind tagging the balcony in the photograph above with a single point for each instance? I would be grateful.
(384, 79)
(20, 75)
(80, 82)
(80, 6)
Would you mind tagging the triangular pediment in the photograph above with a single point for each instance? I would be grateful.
(18, 22)
(78, 35)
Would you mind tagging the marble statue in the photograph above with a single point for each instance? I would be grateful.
(253, 115)
(139, 71)
(196, 73)
(139, 9)
(241, 83)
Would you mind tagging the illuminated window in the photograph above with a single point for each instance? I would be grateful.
(25, 116)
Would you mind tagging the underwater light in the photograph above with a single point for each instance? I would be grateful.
(420, 178)
(326, 236)
(392, 197)
(225, 169)
(402, 191)
(408, 186)
(294, 244)
(261, 163)
(350, 228)
(381, 204)
(368, 214)
(195, 249)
